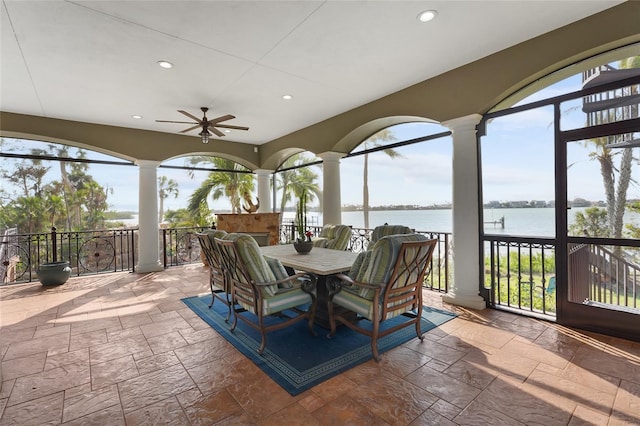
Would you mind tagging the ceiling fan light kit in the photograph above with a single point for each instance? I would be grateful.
(206, 124)
(204, 135)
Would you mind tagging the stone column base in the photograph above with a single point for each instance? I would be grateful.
(149, 267)
(473, 302)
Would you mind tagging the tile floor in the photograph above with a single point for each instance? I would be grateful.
(122, 349)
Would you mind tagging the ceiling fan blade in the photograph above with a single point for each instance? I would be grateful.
(190, 128)
(216, 131)
(179, 122)
(190, 115)
(229, 126)
(222, 118)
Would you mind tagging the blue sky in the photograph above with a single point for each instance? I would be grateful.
(517, 161)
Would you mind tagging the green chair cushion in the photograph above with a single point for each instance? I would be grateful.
(383, 257)
(384, 230)
(375, 266)
(335, 237)
(257, 266)
(279, 271)
(357, 271)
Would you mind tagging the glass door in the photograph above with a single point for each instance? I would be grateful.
(598, 159)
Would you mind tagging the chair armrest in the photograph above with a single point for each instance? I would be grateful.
(308, 281)
(348, 280)
(334, 286)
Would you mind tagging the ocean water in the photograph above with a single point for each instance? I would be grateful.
(521, 222)
(534, 222)
(529, 222)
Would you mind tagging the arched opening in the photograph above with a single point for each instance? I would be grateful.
(401, 174)
(560, 170)
(49, 185)
(299, 172)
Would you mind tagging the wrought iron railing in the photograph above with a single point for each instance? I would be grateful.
(180, 245)
(520, 273)
(440, 271)
(91, 252)
(604, 275)
(88, 252)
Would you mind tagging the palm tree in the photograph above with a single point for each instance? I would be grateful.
(166, 187)
(54, 206)
(230, 184)
(294, 182)
(374, 141)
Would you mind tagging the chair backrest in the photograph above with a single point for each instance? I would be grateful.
(384, 255)
(384, 230)
(403, 290)
(335, 237)
(245, 263)
(207, 245)
(212, 255)
(399, 263)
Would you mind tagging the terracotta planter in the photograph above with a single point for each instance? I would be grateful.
(54, 273)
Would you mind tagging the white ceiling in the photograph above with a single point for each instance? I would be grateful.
(96, 61)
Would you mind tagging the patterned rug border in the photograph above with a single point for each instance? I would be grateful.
(282, 370)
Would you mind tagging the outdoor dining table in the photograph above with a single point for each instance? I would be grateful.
(319, 261)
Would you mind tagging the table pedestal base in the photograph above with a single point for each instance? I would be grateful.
(322, 307)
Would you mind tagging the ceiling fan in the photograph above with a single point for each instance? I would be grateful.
(206, 124)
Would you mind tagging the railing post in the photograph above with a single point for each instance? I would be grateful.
(54, 244)
(164, 247)
(133, 250)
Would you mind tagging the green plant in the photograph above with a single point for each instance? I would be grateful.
(301, 216)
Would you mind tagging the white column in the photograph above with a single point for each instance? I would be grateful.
(264, 190)
(331, 204)
(148, 230)
(464, 290)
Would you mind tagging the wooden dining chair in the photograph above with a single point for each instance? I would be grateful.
(385, 282)
(261, 286)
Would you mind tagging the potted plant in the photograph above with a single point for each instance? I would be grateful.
(56, 272)
(302, 243)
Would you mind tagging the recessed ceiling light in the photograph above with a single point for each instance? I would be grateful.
(427, 15)
(137, 117)
(227, 131)
(287, 97)
(165, 64)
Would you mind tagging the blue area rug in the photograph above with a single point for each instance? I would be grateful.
(297, 360)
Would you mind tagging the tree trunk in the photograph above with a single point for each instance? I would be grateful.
(606, 170)
(621, 191)
(160, 209)
(66, 189)
(365, 192)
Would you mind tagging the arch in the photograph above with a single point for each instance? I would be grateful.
(73, 143)
(132, 144)
(366, 130)
(249, 165)
(275, 160)
(525, 90)
(348, 142)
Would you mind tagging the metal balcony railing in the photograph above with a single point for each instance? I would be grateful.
(88, 252)
(93, 252)
(520, 274)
